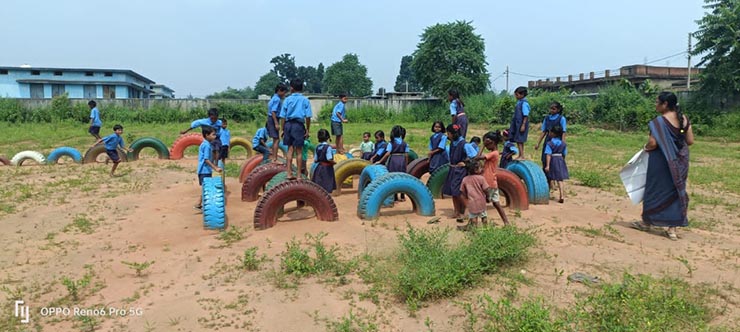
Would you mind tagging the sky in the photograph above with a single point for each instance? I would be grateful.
(200, 47)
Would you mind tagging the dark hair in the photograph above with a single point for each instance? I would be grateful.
(397, 131)
(92, 103)
(558, 106)
(366, 133)
(557, 130)
(380, 133)
(494, 136)
(342, 96)
(521, 90)
(223, 120)
(455, 95)
(403, 133)
(672, 101)
(323, 135)
(454, 130)
(213, 112)
(116, 127)
(281, 87)
(471, 166)
(207, 130)
(441, 125)
(475, 140)
(296, 84)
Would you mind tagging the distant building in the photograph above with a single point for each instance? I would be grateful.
(161, 91)
(41, 83)
(671, 78)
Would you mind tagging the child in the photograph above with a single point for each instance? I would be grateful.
(554, 119)
(112, 142)
(366, 146)
(555, 166)
(519, 128)
(95, 122)
(457, 110)
(459, 152)
(213, 122)
(475, 144)
(273, 108)
(508, 151)
(380, 146)
(295, 119)
(323, 174)
(475, 190)
(437, 143)
(225, 139)
(397, 155)
(259, 143)
(490, 141)
(339, 116)
(205, 163)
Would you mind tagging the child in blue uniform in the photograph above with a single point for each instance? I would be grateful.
(295, 119)
(273, 109)
(397, 155)
(112, 143)
(323, 175)
(259, 143)
(475, 144)
(338, 117)
(205, 160)
(459, 153)
(555, 166)
(508, 151)
(367, 147)
(380, 146)
(225, 138)
(555, 118)
(457, 110)
(519, 128)
(437, 143)
(213, 122)
(95, 122)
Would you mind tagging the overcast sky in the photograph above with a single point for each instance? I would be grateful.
(199, 47)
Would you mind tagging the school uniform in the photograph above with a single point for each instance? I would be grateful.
(296, 108)
(458, 110)
(112, 142)
(459, 152)
(336, 122)
(548, 123)
(397, 160)
(439, 159)
(225, 138)
(273, 107)
(205, 152)
(206, 122)
(379, 151)
(367, 149)
(323, 174)
(261, 135)
(96, 123)
(521, 110)
(557, 151)
(507, 153)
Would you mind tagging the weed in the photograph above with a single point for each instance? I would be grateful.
(138, 267)
(352, 323)
(75, 287)
(297, 260)
(250, 261)
(81, 224)
(232, 235)
(686, 264)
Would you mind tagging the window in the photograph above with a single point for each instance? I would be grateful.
(37, 91)
(3, 72)
(88, 73)
(57, 73)
(35, 72)
(109, 91)
(57, 90)
(90, 91)
(108, 74)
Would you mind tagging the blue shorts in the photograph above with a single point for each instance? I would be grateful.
(113, 155)
(272, 128)
(263, 150)
(201, 177)
(223, 152)
(94, 130)
(294, 133)
(336, 129)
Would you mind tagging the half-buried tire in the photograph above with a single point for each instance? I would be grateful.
(148, 142)
(4, 160)
(355, 152)
(182, 143)
(418, 167)
(412, 155)
(258, 179)
(534, 179)
(370, 174)
(243, 142)
(248, 166)
(91, 156)
(437, 179)
(511, 187)
(67, 151)
(347, 168)
(392, 183)
(22, 156)
(214, 207)
(266, 212)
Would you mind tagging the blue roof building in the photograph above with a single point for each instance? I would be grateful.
(41, 83)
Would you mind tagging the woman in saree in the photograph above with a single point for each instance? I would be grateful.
(665, 201)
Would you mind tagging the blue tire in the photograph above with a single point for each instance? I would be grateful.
(214, 209)
(369, 174)
(64, 151)
(388, 185)
(534, 179)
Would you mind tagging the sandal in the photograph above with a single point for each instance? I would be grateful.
(434, 220)
(640, 226)
(671, 235)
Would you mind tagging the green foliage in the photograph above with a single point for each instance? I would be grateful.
(285, 69)
(352, 323)
(719, 44)
(138, 267)
(450, 56)
(266, 84)
(231, 93)
(348, 76)
(298, 261)
(75, 287)
(502, 316)
(233, 235)
(405, 81)
(284, 66)
(250, 261)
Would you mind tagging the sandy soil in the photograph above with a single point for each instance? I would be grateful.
(147, 215)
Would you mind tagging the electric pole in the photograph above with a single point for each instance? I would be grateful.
(688, 80)
(507, 79)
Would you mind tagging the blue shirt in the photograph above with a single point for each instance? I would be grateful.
(453, 108)
(329, 153)
(555, 141)
(207, 122)
(473, 146)
(95, 116)
(442, 142)
(296, 107)
(382, 146)
(261, 134)
(397, 141)
(274, 105)
(471, 150)
(341, 109)
(205, 152)
(225, 137)
(112, 141)
(553, 117)
(525, 107)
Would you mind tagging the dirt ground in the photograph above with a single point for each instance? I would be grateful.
(147, 215)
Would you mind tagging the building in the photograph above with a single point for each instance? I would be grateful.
(671, 78)
(42, 83)
(161, 91)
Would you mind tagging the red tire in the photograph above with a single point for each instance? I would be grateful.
(248, 166)
(183, 142)
(418, 167)
(5, 161)
(266, 212)
(510, 186)
(258, 179)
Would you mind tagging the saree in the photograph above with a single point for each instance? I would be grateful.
(665, 202)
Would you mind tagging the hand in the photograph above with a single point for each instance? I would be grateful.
(521, 129)
(547, 169)
(460, 164)
(183, 132)
(345, 120)
(537, 147)
(218, 169)
(306, 135)
(430, 154)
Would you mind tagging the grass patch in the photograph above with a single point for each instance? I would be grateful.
(250, 261)
(81, 223)
(607, 231)
(316, 259)
(232, 235)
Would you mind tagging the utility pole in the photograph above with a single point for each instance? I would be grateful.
(507, 78)
(688, 80)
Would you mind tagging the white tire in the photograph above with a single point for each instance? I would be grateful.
(22, 156)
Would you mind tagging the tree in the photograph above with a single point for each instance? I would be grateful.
(349, 77)
(311, 78)
(284, 67)
(719, 40)
(231, 93)
(405, 80)
(451, 56)
(266, 84)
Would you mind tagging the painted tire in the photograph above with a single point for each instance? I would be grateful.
(248, 166)
(266, 212)
(387, 185)
(412, 155)
(148, 142)
(214, 207)
(22, 156)
(4, 160)
(345, 169)
(534, 179)
(437, 179)
(258, 179)
(282, 147)
(182, 143)
(278, 179)
(355, 152)
(243, 142)
(510, 186)
(64, 151)
(370, 174)
(418, 167)
(92, 154)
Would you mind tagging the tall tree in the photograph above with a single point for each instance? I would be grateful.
(311, 78)
(266, 84)
(348, 76)
(449, 56)
(719, 40)
(284, 67)
(405, 80)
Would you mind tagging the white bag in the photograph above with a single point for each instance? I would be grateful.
(633, 176)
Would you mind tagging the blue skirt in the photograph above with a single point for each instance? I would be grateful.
(438, 160)
(323, 175)
(451, 186)
(367, 155)
(397, 163)
(558, 169)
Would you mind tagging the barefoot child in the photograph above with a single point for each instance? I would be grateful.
(259, 143)
(225, 138)
(95, 122)
(380, 146)
(459, 152)
(555, 151)
(397, 155)
(295, 120)
(474, 189)
(338, 117)
(437, 144)
(491, 141)
(367, 146)
(213, 122)
(205, 161)
(508, 151)
(519, 128)
(112, 142)
(273, 109)
(323, 175)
